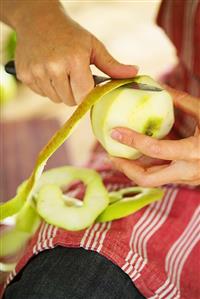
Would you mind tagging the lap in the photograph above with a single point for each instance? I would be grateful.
(71, 273)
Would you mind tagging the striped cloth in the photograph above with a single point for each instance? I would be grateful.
(158, 246)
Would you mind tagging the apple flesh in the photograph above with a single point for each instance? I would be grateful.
(148, 112)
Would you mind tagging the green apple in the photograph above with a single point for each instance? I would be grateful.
(8, 87)
(147, 112)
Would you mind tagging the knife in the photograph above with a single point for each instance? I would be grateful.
(10, 69)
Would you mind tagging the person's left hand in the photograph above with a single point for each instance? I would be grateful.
(184, 154)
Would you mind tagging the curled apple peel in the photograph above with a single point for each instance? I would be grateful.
(127, 201)
(71, 213)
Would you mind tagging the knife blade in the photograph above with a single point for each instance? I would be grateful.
(10, 69)
(142, 86)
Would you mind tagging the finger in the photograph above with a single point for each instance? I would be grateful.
(37, 72)
(185, 102)
(174, 172)
(146, 161)
(43, 81)
(81, 81)
(184, 149)
(191, 183)
(36, 89)
(47, 86)
(156, 168)
(109, 65)
(63, 89)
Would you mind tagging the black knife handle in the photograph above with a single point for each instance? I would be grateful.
(10, 69)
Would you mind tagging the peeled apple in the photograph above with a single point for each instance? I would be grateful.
(148, 112)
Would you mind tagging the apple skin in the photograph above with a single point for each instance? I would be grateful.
(147, 112)
(10, 45)
(8, 87)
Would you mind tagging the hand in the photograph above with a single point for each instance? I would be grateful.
(54, 54)
(184, 154)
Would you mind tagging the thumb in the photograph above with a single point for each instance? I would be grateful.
(109, 65)
(185, 101)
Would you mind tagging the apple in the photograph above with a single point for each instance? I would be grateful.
(147, 112)
(8, 87)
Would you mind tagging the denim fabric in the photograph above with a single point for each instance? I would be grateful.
(71, 273)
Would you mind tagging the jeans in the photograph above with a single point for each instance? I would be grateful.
(71, 273)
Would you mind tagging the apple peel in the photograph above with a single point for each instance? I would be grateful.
(124, 202)
(14, 238)
(4, 267)
(68, 212)
(25, 192)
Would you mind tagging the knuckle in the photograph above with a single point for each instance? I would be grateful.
(55, 67)
(77, 60)
(37, 70)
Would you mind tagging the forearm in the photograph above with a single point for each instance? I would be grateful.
(20, 14)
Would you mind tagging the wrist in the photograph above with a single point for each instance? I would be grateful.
(32, 16)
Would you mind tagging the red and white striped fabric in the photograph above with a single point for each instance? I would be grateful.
(180, 19)
(158, 247)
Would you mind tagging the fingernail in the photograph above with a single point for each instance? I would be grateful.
(135, 67)
(116, 135)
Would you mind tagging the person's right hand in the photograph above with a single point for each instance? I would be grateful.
(54, 54)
